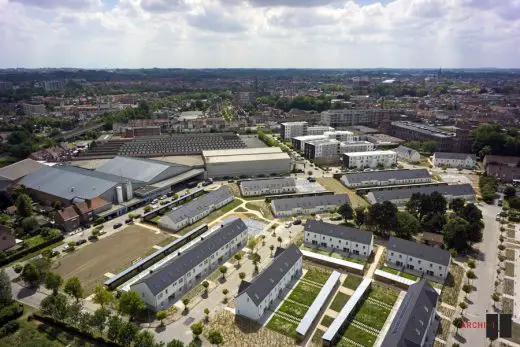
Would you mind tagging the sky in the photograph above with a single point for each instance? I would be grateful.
(259, 33)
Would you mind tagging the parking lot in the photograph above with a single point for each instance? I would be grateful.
(304, 186)
(109, 254)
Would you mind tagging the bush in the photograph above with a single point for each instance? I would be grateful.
(10, 312)
(18, 268)
(99, 220)
(9, 328)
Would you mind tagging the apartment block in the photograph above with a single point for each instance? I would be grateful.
(353, 116)
(356, 146)
(33, 110)
(292, 129)
(372, 159)
(408, 155)
(318, 130)
(400, 197)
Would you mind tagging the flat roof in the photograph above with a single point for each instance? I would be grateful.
(246, 158)
(362, 154)
(394, 277)
(240, 151)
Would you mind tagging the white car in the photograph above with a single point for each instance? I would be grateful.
(288, 224)
(154, 206)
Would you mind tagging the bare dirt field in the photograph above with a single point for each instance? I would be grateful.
(109, 254)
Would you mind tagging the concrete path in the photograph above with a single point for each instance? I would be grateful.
(373, 266)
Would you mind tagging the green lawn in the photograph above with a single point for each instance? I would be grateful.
(451, 289)
(509, 287)
(510, 254)
(510, 269)
(283, 326)
(390, 270)
(384, 294)
(409, 276)
(316, 338)
(357, 335)
(327, 321)
(293, 309)
(304, 293)
(372, 315)
(317, 275)
(352, 282)
(339, 301)
(40, 251)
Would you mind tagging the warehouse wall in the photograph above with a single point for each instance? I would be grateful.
(249, 168)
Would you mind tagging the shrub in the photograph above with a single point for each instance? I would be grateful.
(9, 328)
(10, 312)
(18, 268)
(99, 220)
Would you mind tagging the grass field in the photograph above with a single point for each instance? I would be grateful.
(357, 335)
(327, 321)
(339, 301)
(509, 287)
(109, 254)
(336, 186)
(317, 275)
(384, 294)
(282, 325)
(510, 254)
(292, 309)
(304, 293)
(372, 314)
(451, 289)
(352, 282)
(510, 269)
(262, 207)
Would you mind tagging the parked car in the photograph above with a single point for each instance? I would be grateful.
(498, 217)
(206, 183)
(230, 181)
(154, 206)
(80, 242)
(297, 222)
(288, 224)
(102, 232)
(311, 179)
(169, 194)
(138, 215)
(163, 197)
(93, 238)
(118, 225)
(129, 221)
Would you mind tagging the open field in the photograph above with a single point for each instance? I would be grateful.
(336, 186)
(317, 275)
(262, 207)
(510, 269)
(304, 293)
(450, 291)
(109, 254)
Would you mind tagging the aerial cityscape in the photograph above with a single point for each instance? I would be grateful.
(259, 173)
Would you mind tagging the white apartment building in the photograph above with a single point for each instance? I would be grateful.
(339, 238)
(385, 178)
(418, 259)
(166, 285)
(455, 160)
(318, 130)
(322, 148)
(356, 146)
(373, 159)
(308, 205)
(268, 186)
(353, 116)
(408, 155)
(32, 110)
(292, 129)
(255, 298)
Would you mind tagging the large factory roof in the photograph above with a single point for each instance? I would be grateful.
(423, 128)
(242, 151)
(19, 169)
(67, 184)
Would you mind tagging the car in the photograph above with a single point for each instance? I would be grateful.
(497, 217)
(92, 238)
(154, 206)
(311, 179)
(80, 242)
(288, 224)
(230, 181)
(163, 197)
(206, 183)
(118, 225)
(297, 222)
(129, 221)
(169, 194)
(138, 215)
(154, 201)
(102, 232)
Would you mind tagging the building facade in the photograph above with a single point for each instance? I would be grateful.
(339, 238)
(268, 186)
(454, 160)
(356, 146)
(385, 178)
(400, 197)
(373, 159)
(355, 116)
(318, 130)
(289, 130)
(408, 155)
(308, 205)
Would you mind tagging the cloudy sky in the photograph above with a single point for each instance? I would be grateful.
(259, 33)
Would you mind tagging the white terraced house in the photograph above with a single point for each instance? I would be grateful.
(255, 298)
(268, 186)
(307, 205)
(418, 259)
(385, 178)
(338, 238)
(455, 160)
(372, 159)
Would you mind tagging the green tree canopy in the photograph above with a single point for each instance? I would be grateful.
(130, 303)
(23, 205)
(53, 281)
(6, 296)
(346, 211)
(407, 225)
(31, 275)
(73, 288)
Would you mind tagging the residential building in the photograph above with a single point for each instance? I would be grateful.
(415, 323)
(454, 160)
(196, 209)
(385, 178)
(318, 130)
(55, 84)
(400, 197)
(501, 160)
(355, 116)
(308, 205)
(34, 110)
(339, 238)
(382, 140)
(247, 162)
(356, 146)
(256, 297)
(292, 129)
(418, 259)
(504, 168)
(340, 135)
(408, 155)
(326, 150)
(7, 238)
(244, 98)
(68, 219)
(268, 186)
(371, 159)
(6, 85)
(166, 285)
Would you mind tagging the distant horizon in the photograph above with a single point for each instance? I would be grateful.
(264, 68)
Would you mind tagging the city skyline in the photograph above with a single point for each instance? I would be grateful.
(259, 33)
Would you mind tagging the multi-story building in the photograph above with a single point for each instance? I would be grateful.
(372, 159)
(385, 178)
(418, 259)
(292, 129)
(415, 321)
(268, 186)
(339, 238)
(307, 205)
(196, 209)
(6, 85)
(318, 130)
(244, 98)
(55, 84)
(408, 155)
(340, 135)
(164, 286)
(34, 110)
(255, 298)
(504, 168)
(355, 116)
(456, 160)
(326, 150)
(400, 197)
(356, 146)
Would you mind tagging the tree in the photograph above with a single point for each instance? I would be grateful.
(56, 205)
(471, 263)
(463, 306)
(130, 303)
(407, 225)
(144, 339)
(23, 205)
(471, 213)
(434, 222)
(360, 216)
(175, 343)
(457, 322)
(271, 247)
(466, 288)
(53, 281)
(474, 232)
(455, 234)
(256, 258)
(74, 312)
(206, 312)
(18, 268)
(242, 275)
(31, 275)
(147, 209)
(223, 269)
(496, 298)
(55, 306)
(215, 338)
(102, 296)
(6, 296)
(161, 315)
(471, 275)
(438, 203)
(99, 318)
(29, 224)
(73, 288)
(346, 211)
(252, 242)
(127, 333)
(238, 258)
(115, 323)
(205, 284)
(196, 329)
(185, 302)
(413, 205)
(509, 192)
(383, 216)
(280, 240)
(457, 204)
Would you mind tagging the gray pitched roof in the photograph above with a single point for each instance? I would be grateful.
(179, 266)
(140, 169)
(93, 173)
(405, 150)
(398, 194)
(419, 250)
(310, 201)
(66, 184)
(411, 321)
(20, 169)
(262, 284)
(359, 177)
(339, 231)
(458, 156)
(197, 205)
(268, 183)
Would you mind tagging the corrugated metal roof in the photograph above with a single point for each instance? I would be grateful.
(419, 250)
(339, 231)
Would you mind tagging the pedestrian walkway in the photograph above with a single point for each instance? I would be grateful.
(373, 266)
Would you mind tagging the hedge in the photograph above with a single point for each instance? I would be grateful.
(75, 331)
(25, 251)
(10, 312)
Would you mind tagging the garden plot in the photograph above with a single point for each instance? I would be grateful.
(289, 314)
